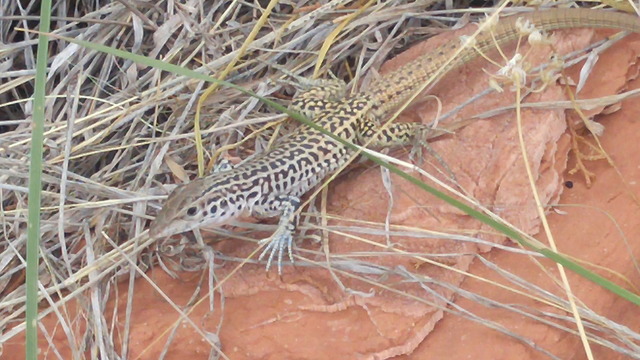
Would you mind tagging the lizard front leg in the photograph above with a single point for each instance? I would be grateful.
(316, 96)
(284, 206)
(222, 166)
(400, 134)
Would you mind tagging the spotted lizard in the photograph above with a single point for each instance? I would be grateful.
(271, 184)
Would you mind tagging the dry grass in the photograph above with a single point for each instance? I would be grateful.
(120, 134)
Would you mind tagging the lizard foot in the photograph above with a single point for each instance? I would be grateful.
(282, 238)
(277, 243)
(420, 142)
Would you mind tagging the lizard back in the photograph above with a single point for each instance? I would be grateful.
(298, 162)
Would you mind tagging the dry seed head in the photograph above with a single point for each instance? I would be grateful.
(595, 128)
(466, 40)
(514, 70)
(556, 63)
(524, 27)
(491, 22)
(547, 77)
(493, 83)
(539, 38)
(551, 73)
(535, 38)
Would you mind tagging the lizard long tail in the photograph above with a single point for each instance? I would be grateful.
(395, 88)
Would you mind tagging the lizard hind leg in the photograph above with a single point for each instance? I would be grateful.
(282, 238)
(403, 134)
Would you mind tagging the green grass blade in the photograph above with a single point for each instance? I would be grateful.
(35, 185)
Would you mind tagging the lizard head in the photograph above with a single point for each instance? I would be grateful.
(184, 210)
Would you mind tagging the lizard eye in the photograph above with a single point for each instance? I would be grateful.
(192, 211)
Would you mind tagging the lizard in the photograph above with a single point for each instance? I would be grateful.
(271, 183)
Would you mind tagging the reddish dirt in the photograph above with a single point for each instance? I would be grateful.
(306, 315)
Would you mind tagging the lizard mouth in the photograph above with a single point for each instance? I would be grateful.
(160, 229)
(155, 230)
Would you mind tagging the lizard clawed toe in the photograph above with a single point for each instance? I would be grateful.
(276, 244)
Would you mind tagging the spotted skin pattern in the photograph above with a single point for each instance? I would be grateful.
(271, 184)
